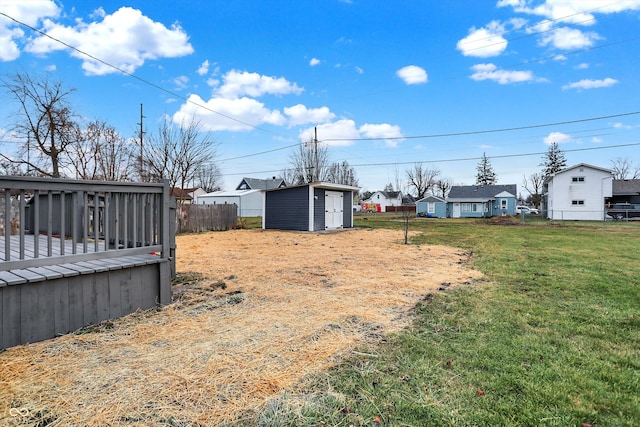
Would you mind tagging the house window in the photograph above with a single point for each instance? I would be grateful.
(503, 204)
(431, 207)
(465, 207)
(476, 207)
(577, 202)
(577, 179)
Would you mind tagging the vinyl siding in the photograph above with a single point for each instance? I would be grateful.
(287, 209)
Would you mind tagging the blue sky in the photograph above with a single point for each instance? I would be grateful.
(386, 83)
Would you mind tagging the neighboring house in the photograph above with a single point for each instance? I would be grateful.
(431, 207)
(625, 191)
(578, 193)
(382, 199)
(186, 195)
(481, 201)
(309, 207)
(261, 184)
(248, 195)
(249, 202)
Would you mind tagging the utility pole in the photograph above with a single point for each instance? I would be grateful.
(140, 169)
(315, 175)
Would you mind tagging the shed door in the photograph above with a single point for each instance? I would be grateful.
(333, 209)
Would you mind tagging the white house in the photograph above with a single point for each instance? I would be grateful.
(384, 199)
(249, 202)
(578, 193)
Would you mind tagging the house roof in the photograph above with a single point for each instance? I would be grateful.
(431, 198)
(582, 165)
(626, 187)
(260, 184)
(479, 192)
(182, 193)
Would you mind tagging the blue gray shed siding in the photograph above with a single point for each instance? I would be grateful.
(287, 209)
(290, 208)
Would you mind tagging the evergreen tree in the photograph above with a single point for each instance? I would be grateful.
(553, 161)
(486, 175)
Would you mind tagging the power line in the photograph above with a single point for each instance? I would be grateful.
(147, 82)
(458, 159)
(480, 132)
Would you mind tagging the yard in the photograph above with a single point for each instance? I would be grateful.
(254, 313)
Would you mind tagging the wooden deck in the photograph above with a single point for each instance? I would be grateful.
(51, 285)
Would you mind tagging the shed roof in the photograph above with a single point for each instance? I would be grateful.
(320, 184)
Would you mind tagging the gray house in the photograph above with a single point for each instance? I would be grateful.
(431, 207)
(309, 207)
(481, 201)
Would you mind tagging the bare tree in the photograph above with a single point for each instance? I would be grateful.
(100, 152)
(534, 186)
(309, 163)
(45, 122)
(623, 169)
(443, 185)
(342, 173)
(178, 153)
(422, 179)
(209, 178)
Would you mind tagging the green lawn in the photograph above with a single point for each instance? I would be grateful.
(550, 338)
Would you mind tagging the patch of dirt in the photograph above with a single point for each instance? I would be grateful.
(254, 312)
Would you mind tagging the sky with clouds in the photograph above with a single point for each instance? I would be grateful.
(385, 84)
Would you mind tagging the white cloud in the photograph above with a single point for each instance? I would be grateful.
(582, 66)
(359, 70)
(557, 137)
(412, 75)
(619, 125)
(383, 130)
(125, 39)
(300, 114)
(204, 68)
(571, 11)
(181, 82)
(484, 42)
(247, 113)
(591, 84)
(50, 68)
(491, 72)
(29, 12)
(314, 61)
(236, 84)
(344, 132)
(596, 139)
(569, 38)
(344, 128)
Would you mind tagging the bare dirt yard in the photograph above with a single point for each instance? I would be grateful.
(254, 312)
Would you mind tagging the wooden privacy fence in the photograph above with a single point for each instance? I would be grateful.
(192, 218)
(73, 253)
(403, 208)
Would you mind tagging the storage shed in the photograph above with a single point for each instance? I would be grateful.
(309, 207)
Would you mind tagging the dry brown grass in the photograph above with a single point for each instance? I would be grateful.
(255, 312)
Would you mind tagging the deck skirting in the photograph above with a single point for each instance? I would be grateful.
(44, 302)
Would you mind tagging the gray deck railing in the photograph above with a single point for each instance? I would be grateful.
(52, 221)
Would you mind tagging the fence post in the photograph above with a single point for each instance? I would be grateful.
(165, 233)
